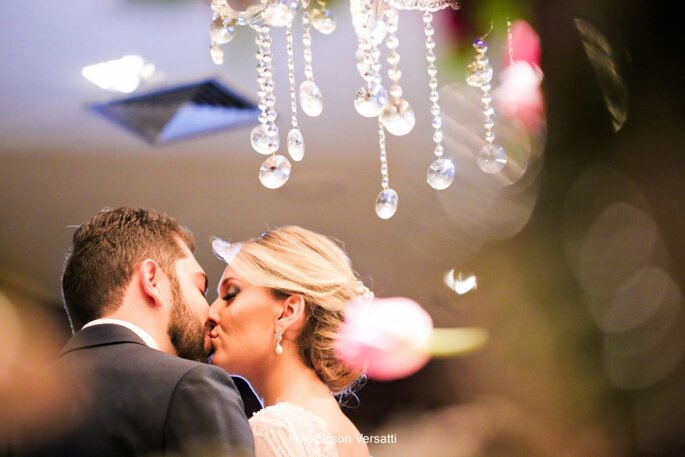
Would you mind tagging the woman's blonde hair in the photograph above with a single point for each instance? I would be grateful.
(293, 260)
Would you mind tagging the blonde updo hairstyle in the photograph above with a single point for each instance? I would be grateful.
(293, 260)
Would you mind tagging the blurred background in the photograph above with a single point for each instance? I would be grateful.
(571, 258)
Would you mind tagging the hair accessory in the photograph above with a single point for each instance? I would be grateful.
(224, 250)
(364, 292)
(279, 338)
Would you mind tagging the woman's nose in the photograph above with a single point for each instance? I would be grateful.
(213, 317)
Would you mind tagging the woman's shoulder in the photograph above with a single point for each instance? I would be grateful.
(288, 414)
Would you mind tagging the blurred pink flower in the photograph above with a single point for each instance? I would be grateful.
(519, 95)
(525, 43)
(386, 338)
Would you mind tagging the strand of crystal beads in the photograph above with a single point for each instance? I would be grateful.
(491, 158)
(441, 172)
(295, 138)
(311, 99)
(386, 202)
(275, 170)
(398, 115)
(221, 31)
(372, 96)
(264, 137)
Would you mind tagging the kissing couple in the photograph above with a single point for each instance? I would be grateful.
(135, 297)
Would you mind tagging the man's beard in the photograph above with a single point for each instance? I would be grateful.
(186, 332)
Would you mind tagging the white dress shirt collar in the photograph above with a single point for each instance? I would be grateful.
(145, 336)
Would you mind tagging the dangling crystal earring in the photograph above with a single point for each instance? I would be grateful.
(491, 158)
(279, 338)
(441, 172)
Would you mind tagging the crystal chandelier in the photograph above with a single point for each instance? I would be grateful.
(375, 23)
(265, 137)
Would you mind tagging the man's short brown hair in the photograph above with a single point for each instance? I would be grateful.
(105, 252)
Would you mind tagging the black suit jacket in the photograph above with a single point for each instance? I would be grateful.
(132, 400)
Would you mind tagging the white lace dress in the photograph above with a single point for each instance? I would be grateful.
(288, 430)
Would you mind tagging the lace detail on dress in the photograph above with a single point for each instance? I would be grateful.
(289, 430)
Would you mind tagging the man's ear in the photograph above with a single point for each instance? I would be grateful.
(292, 313)
(151, 279)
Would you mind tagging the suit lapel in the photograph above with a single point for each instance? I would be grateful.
(100, 335)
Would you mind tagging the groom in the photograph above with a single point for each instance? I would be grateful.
(134, 294)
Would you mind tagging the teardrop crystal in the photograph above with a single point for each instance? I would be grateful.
(217, 53)
(398, 117)
(274, 172)
(323, 21)
(311, 99)
(295, 144)
(263, 141)
(441, 174)
(386, 203)
(492, 158)
(370, 100)
(222, 30)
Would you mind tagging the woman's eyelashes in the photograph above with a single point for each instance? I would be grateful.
(231, 293)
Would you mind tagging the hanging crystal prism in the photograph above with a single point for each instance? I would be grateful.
(441, 172)
(295, 144)
(264, 137)
(372, 97)
(492, 157)
(322, 19)
(274, 172)
(367, 19)
(397, 115)
(216, 53)
(263, 140)
(295, 140)
(387, 200)
(311, 99)
(222, 29)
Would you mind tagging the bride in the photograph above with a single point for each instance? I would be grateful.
(281, 300)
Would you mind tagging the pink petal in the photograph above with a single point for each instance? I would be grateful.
(387, 338)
